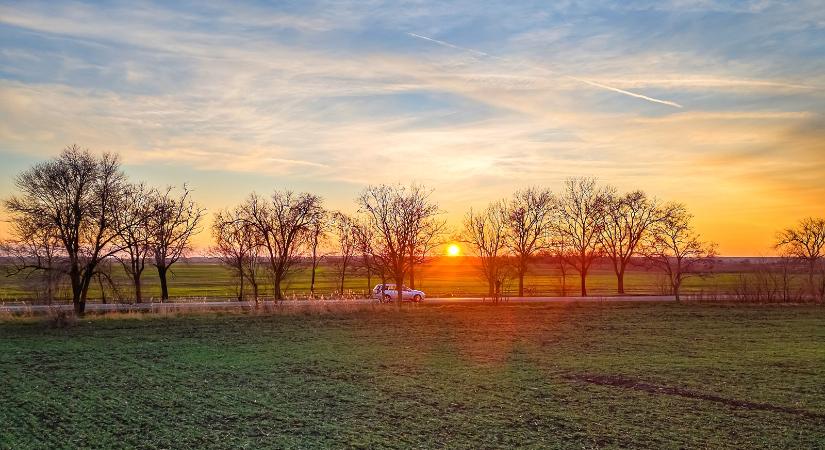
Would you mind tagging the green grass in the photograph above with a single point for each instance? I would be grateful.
(442, 277)
(458, 376)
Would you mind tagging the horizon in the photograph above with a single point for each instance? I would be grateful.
(717, 106)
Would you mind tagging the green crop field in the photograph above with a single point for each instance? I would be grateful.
(458, 376)
(440, 277)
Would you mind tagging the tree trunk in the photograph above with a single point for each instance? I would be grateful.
(412, 272)
(620, 280)
(277, 287)
(138, 293)
(164, 288)
(312, 279)
(584, 282)
(80, 306)
(676, 285)
(399, 288)
(343, 276)
(521, 271)
(240, 290)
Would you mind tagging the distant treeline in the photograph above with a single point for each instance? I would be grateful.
(74, 215)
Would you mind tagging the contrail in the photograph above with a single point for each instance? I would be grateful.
(581, 80)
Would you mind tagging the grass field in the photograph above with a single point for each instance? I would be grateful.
(441, 277)
(469, 376)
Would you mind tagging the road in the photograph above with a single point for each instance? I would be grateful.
(234, 305)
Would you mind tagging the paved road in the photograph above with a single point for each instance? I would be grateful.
(231, 305)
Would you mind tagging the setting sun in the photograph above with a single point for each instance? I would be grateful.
(453, 250)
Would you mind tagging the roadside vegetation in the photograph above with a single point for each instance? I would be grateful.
(82, 230)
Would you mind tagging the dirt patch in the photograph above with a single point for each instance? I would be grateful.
(630, 383)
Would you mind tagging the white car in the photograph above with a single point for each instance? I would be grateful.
(387, 293)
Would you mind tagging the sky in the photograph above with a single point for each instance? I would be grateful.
(718, 105)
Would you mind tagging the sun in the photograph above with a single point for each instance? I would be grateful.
(453, 250)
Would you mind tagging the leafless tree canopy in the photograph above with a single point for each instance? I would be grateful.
(627, 219)
(74, 198)
(579, 223)
(677, 249)
(486, 234)
(37, 254)
(806, 242)
(285, 224)
(173, 222)
(365, 240)
(237, 245)
(397, 215)
(345, 230)
(528, 216)
(132, 217)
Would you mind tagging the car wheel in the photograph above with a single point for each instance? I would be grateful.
(417, 298)
(387, 298)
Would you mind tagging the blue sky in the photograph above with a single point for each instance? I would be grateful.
(716, 104)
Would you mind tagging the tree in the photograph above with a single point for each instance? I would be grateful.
(345, 231)
(131, 218)
(365, 245)
(528, 216)
(318, 231)
(397, 215)
(677, 249)
(579, 223)
(73, 198)
(806, 242)
(284, 224)
(237, 245)
(172, 223)
(486, 233)
(35, 254)
(626, 221)
(427, 237)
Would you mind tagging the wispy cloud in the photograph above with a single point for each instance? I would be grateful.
(332, 96)
(582, 80)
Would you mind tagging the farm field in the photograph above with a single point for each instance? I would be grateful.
(468, 376)
(442, 277)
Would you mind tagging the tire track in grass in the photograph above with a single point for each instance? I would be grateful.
(630, 383)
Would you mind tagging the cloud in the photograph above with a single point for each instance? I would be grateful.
(332, 97)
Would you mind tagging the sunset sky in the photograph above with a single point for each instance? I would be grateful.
(717, 105)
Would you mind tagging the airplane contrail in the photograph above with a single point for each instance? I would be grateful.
(580, 80)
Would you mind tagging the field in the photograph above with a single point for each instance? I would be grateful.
(440, 277)
(469, 376)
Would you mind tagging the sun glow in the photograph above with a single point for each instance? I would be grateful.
(453, 250)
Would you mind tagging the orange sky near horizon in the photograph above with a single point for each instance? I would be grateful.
(717, 105)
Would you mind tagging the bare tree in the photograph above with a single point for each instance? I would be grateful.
(132, 222)
(627, 220)
(317, 233)
(579, 224)
(528, 217)
(486, 234)
(806, 242)
(74, 197)
(396, 215)
(365, 245)
(237, 245)
(36, 256)
(677, 249)
(346, 237)
(284, 224)
(429, 236)
(172, 223)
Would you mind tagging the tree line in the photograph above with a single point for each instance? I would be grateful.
(75, 215)
(584, 222)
